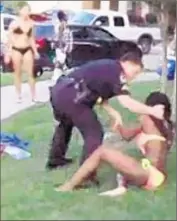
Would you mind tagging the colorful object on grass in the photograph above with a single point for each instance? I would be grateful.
(14, 146)
(16, 152)
(171, 68)
(13, 140)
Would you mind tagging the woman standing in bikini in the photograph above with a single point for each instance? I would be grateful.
(154, 138)
(22, 50)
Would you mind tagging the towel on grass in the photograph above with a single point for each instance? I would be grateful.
(12, 140)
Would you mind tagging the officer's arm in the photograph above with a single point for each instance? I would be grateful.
(133, 105)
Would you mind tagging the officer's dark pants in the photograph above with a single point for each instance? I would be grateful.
(81, 116)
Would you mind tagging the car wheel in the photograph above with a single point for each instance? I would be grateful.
(38, 72)
(145, 43)
(4, 68)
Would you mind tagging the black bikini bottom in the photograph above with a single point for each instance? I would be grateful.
(22, 50)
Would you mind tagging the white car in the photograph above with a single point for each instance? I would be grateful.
(118, 24)
(6, 19)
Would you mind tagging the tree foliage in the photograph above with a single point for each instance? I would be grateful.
(15, 5)
(168, 7)
(167, 14)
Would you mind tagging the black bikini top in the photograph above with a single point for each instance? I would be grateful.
(20, 31)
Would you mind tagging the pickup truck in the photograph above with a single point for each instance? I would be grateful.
(119, 25)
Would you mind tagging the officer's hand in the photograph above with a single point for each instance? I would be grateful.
(158, 111)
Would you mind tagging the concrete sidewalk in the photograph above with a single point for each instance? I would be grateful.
(10, 107)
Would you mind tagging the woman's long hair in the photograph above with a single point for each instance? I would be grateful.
(165, 126)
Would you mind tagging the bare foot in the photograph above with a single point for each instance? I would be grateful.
(115, 192)
(64, 188)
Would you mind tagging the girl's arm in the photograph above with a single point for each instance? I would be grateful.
(126, 133)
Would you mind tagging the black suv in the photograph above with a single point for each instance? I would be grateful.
(93, 42)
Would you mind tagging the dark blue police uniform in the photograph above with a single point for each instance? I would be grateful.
(73, 99)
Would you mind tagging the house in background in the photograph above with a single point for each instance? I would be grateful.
(140, 7)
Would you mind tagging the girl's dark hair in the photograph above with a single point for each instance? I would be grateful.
(165, 126)
(61, 15)
(156, 98)
(129, 46)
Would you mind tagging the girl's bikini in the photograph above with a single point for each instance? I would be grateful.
(19, 31)
(156, 177)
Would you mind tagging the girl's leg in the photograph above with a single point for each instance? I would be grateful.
(17, 65)
(28, 60)
(125, 164)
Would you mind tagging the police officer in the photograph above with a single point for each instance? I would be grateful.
(74, 96)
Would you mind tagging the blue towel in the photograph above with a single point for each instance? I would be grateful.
(13, 140)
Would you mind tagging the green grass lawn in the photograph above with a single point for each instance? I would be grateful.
(7, 78)
(27, 189)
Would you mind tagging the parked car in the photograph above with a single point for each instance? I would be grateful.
(89, 43)
(6, 19)
(92, 43)
(43, 34)
(120, 26)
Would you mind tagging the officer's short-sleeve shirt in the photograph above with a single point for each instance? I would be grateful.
(103, 77)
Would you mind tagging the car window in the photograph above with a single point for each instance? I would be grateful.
(118, 21)
(101, 34)
(83, 18)
(81, 33)
(44, 31)
(7, 22)
(135, 19)
(104, 21)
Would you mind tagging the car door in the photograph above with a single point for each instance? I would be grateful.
(121, 29)
(84, 48)
(5, 22)
(108, 43)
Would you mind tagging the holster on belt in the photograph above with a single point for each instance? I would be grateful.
(82, 91)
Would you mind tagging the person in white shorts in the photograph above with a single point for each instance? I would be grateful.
(64, 44)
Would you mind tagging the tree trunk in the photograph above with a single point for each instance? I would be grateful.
(174, 100)
(172, 47)
(164, 26)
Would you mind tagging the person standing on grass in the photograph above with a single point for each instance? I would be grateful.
(64, 44)
(22, 50)
(74, 96)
